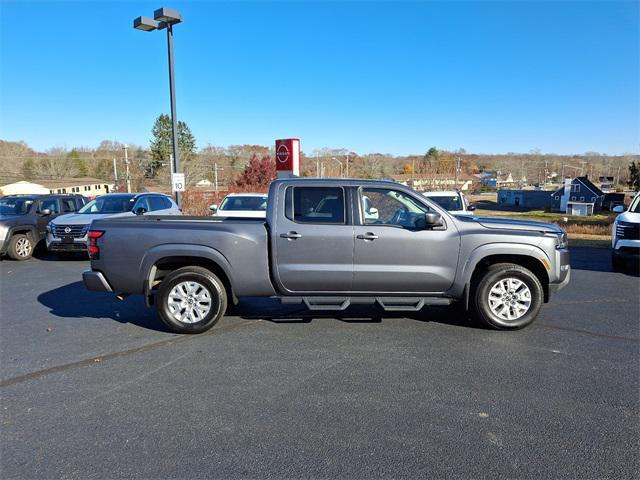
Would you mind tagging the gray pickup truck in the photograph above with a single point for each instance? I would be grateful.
(329, 244)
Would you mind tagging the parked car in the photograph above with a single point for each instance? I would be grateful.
(625, 236)
(68, 233)
(318, 247)
(243, 205)
(452, 201)
(24, 218)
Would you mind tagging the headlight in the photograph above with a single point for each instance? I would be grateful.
(563, 241)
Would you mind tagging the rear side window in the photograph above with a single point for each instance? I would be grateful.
(51, 204)
(68, 205)
(158, 203)
(317, 205)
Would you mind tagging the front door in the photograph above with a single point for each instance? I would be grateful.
(42, 221)
(314, 241)
(394, 253)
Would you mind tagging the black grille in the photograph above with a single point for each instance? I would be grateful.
(75, 231)
(628, 231)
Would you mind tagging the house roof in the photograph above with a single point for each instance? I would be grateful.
(70, 182)
(584, 181)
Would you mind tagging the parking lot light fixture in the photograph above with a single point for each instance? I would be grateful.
(166, 18)
(167, 15)
(145, 24)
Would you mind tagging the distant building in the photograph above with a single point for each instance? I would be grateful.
(89, 187)
(23, 188)
(487, 179)
(577, 197)
(437, 181)
(530, 199)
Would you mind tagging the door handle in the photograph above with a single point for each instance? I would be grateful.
(367, 236)
(291, 235)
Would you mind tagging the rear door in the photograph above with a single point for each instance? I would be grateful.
(393, 253)
(314, 240)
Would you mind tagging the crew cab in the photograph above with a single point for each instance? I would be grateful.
(322, 246)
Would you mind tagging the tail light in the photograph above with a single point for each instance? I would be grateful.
(94, 250)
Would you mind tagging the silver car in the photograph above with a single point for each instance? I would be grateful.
(68, 233)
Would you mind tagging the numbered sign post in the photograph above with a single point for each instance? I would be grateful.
(288, 157)
(177, 182)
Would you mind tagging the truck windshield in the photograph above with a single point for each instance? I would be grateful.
(448, 203)
(244, 203)
(15, 206)
(107, 204)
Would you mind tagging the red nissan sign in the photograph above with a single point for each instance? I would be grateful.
(288, 157)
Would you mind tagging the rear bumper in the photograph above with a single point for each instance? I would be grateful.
(95, 281)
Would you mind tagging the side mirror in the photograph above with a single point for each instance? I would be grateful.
(432, 219)
(618, 209)
(471, 208)
(213, 207)
(373, 213)
(45, 212)
(140, 211)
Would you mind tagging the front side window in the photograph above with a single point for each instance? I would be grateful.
(318, 205)
(51, 204)
(383, 206)
(106, 204)
(244, 203)
(142, 202)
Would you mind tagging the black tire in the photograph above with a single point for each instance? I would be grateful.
(207, 281)
(617, 265)
(20, 247)
(502, 271)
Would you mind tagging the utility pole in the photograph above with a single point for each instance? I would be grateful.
(215, 177)
(126, 162)
(317, 166)
(455, 182)
(347, 165)
(115, 172)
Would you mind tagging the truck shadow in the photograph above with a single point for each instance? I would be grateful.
(75, 301)
(271, 310)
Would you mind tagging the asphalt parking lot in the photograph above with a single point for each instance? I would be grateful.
(92, 387)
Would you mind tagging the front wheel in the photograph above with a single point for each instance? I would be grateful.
(191, 300)
(508, 296)
(20, 247)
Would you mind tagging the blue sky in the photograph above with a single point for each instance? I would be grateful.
(394, 77)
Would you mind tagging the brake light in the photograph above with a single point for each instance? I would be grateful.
(94, 250)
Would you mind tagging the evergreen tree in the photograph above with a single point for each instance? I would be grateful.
(78, 167)
(161, 144)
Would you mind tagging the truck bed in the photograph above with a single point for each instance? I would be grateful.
(134, 244)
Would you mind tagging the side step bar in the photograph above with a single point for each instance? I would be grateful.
(389, 304)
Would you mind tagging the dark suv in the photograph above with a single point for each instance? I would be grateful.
(24, 218)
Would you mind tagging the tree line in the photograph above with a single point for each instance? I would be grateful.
(236, 165)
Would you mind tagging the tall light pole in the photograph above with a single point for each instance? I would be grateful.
(166, 18)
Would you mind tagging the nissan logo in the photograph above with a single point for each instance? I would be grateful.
(67, 229)
(282, 154)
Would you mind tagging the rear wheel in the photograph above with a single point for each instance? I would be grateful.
(20, 247)
(508, 296)
(191, 300)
